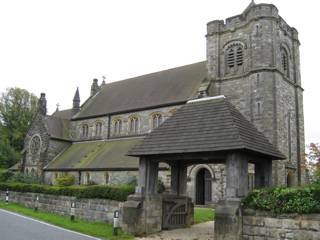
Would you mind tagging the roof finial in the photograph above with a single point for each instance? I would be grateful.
(58, 105)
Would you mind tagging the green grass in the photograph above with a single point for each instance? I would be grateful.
(96, 229)
(203, 215)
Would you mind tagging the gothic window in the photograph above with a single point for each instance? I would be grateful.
(106, 178)
(117, 126)
(235, 55)
(35, 145)
(98, 129)
(156, 120)
(285, 62)
(133, 124)
(87, 178)
(85, 130)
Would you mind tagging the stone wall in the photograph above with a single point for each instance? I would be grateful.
(262, 225)
(87, 209)
(144, 124)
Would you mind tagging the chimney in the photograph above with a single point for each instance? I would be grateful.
(94, 87)
(42, 104)
(76, 102)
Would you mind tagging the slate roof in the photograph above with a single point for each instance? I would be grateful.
(171, 86)
(64, 114)
(208, 125)
(58, 128)
(104, 155)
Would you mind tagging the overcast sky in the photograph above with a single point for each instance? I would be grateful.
(56, 46)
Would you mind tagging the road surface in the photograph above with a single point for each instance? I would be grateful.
(17, 227)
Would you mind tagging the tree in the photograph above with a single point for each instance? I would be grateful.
(314, 158)
(17, 108)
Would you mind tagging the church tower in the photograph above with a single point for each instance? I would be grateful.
(253, 59)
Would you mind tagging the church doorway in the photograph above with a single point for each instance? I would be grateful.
(290, 179)
(203, 187)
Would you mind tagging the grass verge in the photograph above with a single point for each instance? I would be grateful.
(95, 229)
(203, 215)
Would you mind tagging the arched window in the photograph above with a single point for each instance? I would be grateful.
(156, 120)
(133, 125)
(117, 126)
(85, 130)
(98, 129)
(106, 178)
(235, 55)
(87, 178)
(285, 62)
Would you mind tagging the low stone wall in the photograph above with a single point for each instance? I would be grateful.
(263, 225)
(87, 209)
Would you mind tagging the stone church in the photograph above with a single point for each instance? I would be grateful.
(252, 59)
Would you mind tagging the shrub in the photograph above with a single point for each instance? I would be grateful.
(5, 175)
(285, 200)
(24, 178)
(67, 180)
(119, 193)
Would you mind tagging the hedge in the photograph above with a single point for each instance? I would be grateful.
(302, 200)
(118, 193)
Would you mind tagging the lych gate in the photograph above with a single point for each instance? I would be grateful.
(203, 131)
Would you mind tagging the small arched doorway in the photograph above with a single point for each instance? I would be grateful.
(203, 187)
(290, 179)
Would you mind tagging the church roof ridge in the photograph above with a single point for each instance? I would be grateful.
(162, 88)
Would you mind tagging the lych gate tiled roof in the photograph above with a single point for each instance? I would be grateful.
(171, 86)
(208, 125)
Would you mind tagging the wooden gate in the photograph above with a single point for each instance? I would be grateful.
(175, 212)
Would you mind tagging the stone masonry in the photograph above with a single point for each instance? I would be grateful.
(263, 225)
(86, 209)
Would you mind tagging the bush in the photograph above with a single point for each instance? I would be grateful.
(24, 178)
(67, 180)
(285, 200)
(118, 193)
(5, 175)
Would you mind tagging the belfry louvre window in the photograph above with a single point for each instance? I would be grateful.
(134, 124)
(156, 120)
(234, 55)
(117, 126)
(230, 59)
(239, 56)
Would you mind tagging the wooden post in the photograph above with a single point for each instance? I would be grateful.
(237, 175)
(148, 177)
(178, 179)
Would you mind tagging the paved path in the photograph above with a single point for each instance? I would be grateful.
(202, 231)
(17, 227)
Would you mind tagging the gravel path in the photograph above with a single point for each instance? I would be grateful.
(202, 231)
